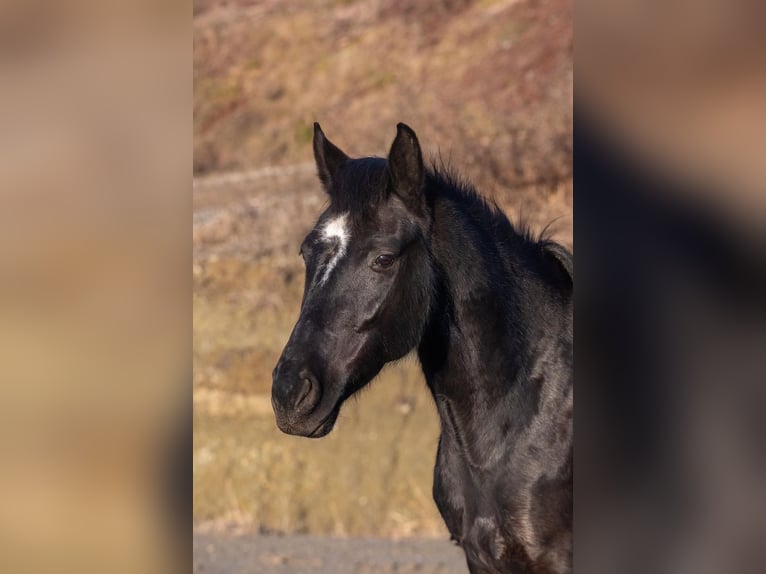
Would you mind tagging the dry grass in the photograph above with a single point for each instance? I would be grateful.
(370, 476)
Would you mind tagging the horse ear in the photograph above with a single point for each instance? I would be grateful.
(405, 163)
(329, 158)
(563, 259)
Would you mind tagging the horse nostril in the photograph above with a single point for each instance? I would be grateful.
(294, 394)
(306, 386)
(308, 394)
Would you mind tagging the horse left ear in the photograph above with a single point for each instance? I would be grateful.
(405, 164)
(329, 157)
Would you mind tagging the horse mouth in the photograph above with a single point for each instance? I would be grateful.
(319, 430)
(324, 427)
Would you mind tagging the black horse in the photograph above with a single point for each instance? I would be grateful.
(407, 257)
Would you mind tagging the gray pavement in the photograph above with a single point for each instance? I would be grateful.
(225, 553)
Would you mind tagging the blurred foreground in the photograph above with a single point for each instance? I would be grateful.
(670, 333)
(95, 313)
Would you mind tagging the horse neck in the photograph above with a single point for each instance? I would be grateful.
(478, 346)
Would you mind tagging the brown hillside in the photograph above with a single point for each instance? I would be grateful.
(487, 83)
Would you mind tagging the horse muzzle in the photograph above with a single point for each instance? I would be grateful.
(296, 394)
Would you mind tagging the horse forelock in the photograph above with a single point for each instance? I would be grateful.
(360, 186)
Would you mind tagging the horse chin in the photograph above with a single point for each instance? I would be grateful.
(324, 428)
(310, 428)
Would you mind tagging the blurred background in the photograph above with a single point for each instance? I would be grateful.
(487, 85)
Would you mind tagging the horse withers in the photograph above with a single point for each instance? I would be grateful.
(409, 257)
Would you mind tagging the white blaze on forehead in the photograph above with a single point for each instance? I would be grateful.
(336, 227)
(336, 230)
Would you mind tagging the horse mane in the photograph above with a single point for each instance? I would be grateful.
(452, 184)
(536, 250)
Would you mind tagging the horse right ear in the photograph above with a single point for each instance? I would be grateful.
(405, 163)
(563, 259)
(329, 158)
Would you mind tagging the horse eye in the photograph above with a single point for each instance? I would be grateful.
(384, 261)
